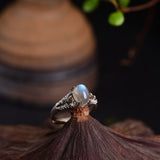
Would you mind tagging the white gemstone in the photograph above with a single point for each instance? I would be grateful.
(81, 94)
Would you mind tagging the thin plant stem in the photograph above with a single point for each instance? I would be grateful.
(140, 7)
(133, 51)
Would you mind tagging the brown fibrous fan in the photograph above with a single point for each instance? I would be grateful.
(82, 138)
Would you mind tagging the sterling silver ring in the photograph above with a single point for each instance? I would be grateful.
(78, 96)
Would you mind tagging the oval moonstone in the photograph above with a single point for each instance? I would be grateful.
(81, 94)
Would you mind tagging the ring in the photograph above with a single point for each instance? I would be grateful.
(78, 96)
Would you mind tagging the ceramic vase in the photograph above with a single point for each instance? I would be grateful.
(46, 47)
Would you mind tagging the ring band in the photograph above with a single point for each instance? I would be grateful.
(78, 96)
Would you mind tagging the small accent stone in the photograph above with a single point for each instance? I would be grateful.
(81, 94)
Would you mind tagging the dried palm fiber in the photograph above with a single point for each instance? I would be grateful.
(82, 138)
(132, 127)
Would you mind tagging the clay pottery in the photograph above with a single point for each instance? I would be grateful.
(46, 47)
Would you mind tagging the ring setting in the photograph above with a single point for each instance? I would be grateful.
(79, 96)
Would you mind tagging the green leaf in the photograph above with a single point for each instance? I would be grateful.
(116, 18)
(124, 3)
(90, 5)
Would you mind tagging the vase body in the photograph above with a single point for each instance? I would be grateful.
(46, 47)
